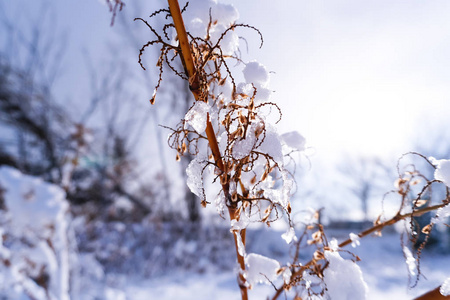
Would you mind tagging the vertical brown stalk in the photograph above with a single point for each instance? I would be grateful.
(194, 85)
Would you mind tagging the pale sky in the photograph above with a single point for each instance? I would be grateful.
(350, 75)
(356, 75)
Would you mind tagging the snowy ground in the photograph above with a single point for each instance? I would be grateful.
(382, 264)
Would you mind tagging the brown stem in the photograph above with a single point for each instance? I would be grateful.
(194, 84)
(373, 229)
(433, 295)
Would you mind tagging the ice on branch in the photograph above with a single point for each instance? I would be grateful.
(260, 269)
(289, 235)
(241, 224)
(294, 140)
(355, 239)
(442, 172)
(194, 173)
(445, 288)
(240, 244)
(343, 278)
(197, 116)
(410, 261)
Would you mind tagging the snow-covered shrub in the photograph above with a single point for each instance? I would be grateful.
(229, 129)
(35, 251)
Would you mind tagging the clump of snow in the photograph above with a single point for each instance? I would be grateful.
(256, 73)
(333, 244)
(294, 140)
(260, 269)
(289, 235)
(343, 278)
(410, 261)
(194, 176)
(355, 239)
(442, 172)
(243, 146)
(445, 288)
(272, 144)
(197, 18)
(197, 116)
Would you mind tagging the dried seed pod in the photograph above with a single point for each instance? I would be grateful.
(234, 197)
(251, 105)
(427, 229)
(223, 179)
(203, 203)
(152, 100)
(183, 147)
(415, 182)
(420, 202)
(280, 270)
(177, 158)
(242, 118)
(253, 180)
(318, 255)
(289, 209)
(264, 176)
(317, 236)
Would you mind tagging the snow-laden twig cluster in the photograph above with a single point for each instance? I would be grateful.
(236, 146)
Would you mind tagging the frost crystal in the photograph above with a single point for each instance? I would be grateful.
(442, 172)
(197, 116)
(194, 177)
(289, 235)
(445, 288)
(261, 269)
(355, 239)
(410, 261)
(343, 278)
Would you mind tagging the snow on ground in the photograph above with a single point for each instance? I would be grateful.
(383, 266)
